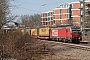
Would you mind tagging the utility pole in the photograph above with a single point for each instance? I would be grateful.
(83, 23)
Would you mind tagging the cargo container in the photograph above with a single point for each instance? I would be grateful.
(34, 32)
(27, 31)
(22, 31)
(44, 33)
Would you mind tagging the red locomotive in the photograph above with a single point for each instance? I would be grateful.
(66, 34)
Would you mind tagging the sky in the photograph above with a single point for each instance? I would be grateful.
(29, 7)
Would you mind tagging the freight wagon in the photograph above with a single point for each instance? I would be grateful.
(44, 33)
(24, 31)
(66, 34)
(34, 32)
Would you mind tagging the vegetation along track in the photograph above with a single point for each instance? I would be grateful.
(75, 46)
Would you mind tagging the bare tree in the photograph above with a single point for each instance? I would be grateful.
(87, 17)
(31, 20)
(4, 12)
(88, 21)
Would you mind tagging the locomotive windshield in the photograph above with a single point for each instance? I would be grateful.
(75, 29)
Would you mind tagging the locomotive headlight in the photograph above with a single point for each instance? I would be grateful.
(71, 34)
(79, 38)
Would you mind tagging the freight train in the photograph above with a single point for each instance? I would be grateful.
(65, 34)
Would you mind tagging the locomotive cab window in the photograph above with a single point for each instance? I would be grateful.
(75, 29)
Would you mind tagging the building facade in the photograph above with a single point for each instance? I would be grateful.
(44, 17)
(65, 14)
(50, 18)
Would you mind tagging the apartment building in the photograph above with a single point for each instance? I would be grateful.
(76, 13)
(44, 17)
(50, 18)
(62, 14)
(59, 16)
(47, 18)
(65, 14)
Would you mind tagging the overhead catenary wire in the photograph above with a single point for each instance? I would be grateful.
(40, 5)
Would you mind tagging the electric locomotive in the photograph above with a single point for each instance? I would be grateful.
(66, 34)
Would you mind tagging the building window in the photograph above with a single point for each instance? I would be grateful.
(60, 13)
(48, 14)
(61, 6)
(48, 18)
(64, 6)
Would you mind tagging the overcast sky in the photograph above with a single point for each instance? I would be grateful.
(23, 7)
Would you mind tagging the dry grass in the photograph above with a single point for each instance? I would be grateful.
(87, 38)
(22, 47)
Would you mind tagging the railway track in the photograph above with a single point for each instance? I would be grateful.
(75, 46)
(60, 50)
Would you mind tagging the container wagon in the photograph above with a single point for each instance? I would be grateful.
(34, 32)
(24, 31)
(44, 33)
